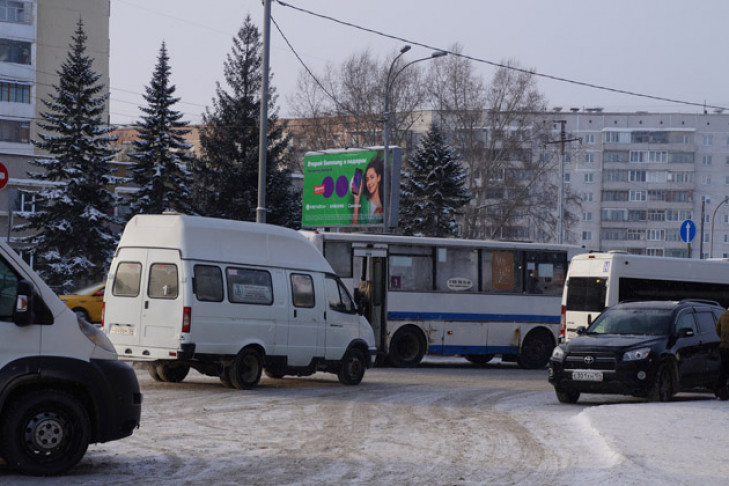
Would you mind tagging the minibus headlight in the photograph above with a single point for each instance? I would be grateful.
(636, 354)
(558, 354)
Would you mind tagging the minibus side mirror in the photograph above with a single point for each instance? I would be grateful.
(581, 330)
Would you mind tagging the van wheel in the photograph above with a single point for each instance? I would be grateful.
(406, 348)
(536, 349)
(45, 433)
(246, 370)
(662, 389)
(352, 367)
(172, 372)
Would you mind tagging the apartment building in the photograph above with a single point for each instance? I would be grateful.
(35, 36)
(640, 176)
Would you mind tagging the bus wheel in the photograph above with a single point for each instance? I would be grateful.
(246, 370)
(536, 350)
(352, 368)
(479, 359)
(172, 372)
(407, 348)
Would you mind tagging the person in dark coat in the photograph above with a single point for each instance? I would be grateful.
(722, 329)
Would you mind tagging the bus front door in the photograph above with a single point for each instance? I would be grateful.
(371, 268)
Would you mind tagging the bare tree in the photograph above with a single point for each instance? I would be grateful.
(343, 107)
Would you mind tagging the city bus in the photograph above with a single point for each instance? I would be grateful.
(596, 281)
(447, 296)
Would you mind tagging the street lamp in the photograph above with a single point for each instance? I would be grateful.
(713, 215)
(386, 135)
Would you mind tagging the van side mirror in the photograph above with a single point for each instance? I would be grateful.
(29, 307)
(581, 330)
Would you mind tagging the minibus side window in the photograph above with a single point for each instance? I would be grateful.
(338, 297)
(302, 290)
(8, 291)
(162, 281)
(208, 283)
(127, 279)
(247, 286)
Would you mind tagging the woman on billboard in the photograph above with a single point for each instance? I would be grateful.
(370, 210)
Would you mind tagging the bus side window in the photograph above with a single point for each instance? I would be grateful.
(501, 271)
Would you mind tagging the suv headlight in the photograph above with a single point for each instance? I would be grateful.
(558, 354)
(637, 354)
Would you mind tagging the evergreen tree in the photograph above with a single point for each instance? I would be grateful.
(161, 172)
(433, 191)
(226, 179)
(73, 237)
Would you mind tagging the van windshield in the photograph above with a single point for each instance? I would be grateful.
(586, 294)
(655, 322)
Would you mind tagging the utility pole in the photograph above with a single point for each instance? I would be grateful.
(562, 140)
(263, 135)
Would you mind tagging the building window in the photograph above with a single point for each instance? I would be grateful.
(637, 176)
(14, 51)
(587, 196)
(656, 235)
(708, 140)
(14, 92)
(23, 202)
(586, 216)
(706, 160)
(590, 138)
(589, 158)
(15, 11)
(14, 131)
(589, 177)
(638, 196)
(707, 179)
(587, 236)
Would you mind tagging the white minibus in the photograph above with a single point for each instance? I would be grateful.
(230, 299)
(596, 281)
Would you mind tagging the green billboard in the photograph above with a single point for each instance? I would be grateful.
(345, 187)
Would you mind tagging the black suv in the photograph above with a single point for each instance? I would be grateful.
(647, 349)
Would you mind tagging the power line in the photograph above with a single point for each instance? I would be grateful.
(500, 65)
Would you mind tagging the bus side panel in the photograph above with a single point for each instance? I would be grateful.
(472, 323)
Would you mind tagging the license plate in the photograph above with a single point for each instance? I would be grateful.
(122, 330)
(586, 375)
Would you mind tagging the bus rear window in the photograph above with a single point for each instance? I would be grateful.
(586, 294)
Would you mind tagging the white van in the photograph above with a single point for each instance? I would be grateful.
(230, 299)
(61, 385)
(596, 281)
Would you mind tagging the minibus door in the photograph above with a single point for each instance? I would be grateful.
(162, 307)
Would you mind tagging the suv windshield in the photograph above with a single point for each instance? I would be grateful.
(633, 321)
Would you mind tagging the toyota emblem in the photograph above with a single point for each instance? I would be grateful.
(589, 360)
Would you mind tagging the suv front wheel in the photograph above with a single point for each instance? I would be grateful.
(662, 388)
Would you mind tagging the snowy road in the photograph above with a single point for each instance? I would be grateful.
(445, 423)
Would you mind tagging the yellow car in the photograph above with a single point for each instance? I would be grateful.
(87, 302)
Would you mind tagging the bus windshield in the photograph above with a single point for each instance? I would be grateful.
(586, 294)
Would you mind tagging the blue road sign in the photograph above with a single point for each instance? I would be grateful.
(688, 230)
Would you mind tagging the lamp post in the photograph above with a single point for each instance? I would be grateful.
(713, 215)
(386, 197)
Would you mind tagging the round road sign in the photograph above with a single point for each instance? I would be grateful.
(3, 175)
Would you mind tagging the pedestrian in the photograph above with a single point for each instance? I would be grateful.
(722, 329)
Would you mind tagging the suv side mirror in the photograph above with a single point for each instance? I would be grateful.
(581, 330)
(685, 332)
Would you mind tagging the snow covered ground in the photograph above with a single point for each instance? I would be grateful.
(445, 423)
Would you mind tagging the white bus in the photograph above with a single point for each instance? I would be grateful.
(471, 298)
(596, 281)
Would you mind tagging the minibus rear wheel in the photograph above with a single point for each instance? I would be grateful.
(247, 368)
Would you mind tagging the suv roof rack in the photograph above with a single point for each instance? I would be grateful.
(702, 301)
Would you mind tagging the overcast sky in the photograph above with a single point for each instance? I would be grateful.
(664, 48)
